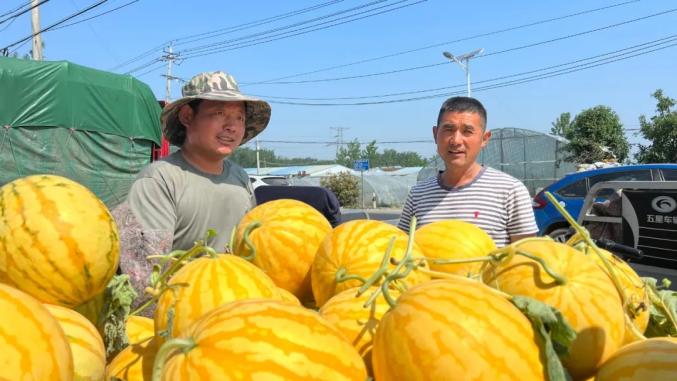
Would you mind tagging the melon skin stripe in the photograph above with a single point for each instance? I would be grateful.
(58, 242)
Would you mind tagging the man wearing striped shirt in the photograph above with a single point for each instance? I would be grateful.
(494, 201)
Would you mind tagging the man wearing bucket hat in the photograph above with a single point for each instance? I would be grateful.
(196, 189)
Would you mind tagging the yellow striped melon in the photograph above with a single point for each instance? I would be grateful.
(89, 354)
(93, 310)
(288, 296)
(209, 283)
(357, 247)
(653, 359)
(134, 363)
(347, 312)
(139, 329)
(32, 344)
(455, 329)
(60, 243)
(263, 340)
(588, 300)
(285, 243)
(454, 239)
(635, 291)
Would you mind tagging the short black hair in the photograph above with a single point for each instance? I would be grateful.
(463, 104)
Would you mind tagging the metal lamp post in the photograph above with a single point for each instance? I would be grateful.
(464, 61)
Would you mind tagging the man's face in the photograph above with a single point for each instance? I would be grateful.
(460, 137)
(216, 129)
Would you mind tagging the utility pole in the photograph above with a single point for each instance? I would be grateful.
(258, 164)
(37, 37)
(170, 57)
(339, 137)
(464, 61)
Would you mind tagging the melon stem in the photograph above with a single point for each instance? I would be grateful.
(247, 241)
(184, 345)
(585, 235)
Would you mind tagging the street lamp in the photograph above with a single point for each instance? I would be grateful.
(463, 61)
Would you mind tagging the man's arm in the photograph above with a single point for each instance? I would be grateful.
(521, 220)
(146, 227)
(408, 210)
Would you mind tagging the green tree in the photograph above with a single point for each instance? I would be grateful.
(246, 157)
(345, 187)
(411, 159)
(370, 153)
(594, 135)
(347, 154)
(561, 125)
(661, 131)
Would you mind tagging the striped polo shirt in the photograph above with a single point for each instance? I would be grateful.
(494, 201)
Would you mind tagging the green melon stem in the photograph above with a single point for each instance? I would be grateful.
(197, 249)
(157, 296)
(585, 235)
(381, 271)
(629, 324)
(247, 241)
(449, 261)
(407, 263)
(343, 276)
(231, 242)
(559, 279)
(184, 345)
(159, 282)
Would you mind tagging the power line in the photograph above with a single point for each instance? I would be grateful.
(488, 87)
(248, 44)
(8, 25)
(6, 48)
(253, 24)
(630, 48)
(531, 45)
(161, 66)
(23, 12)
(288, 35)
(270, 31)
(98, 15)
(231, 29)
(16, 9)
(487, 34)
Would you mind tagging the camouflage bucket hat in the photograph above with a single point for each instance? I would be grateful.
(216, 86)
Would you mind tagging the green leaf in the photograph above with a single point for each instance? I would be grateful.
(118, 299)
(556, 334)
(660, 319)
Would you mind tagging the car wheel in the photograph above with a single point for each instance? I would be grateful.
(560, 235)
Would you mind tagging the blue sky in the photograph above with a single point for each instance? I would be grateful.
(425, 28)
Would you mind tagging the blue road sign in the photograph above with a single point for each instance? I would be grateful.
(361, 165)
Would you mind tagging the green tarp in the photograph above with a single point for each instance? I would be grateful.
(95, 127)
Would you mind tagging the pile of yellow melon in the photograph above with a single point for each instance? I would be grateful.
(298, 300)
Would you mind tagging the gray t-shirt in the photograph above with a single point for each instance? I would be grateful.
(173, 195)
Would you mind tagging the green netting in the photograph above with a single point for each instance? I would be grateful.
(533, 157)
(51, 94)
(105, 163)
(94, 127)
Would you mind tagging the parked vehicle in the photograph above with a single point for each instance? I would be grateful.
(259, 180)
(641, 216)
(572, 188)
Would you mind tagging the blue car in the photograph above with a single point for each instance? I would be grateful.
(570, 191)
